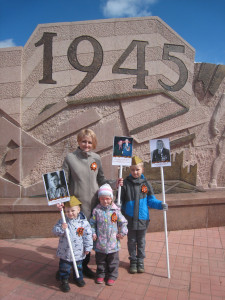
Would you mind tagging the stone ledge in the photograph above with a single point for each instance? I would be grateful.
(191, 211)
(14, 205)
(32, 217)
(200, 198)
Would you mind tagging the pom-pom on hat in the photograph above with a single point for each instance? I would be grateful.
(73, 202)
(105, 190)
(136, 160)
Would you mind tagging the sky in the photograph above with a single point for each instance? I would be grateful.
(200, 22)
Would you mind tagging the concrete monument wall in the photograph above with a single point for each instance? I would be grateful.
(129, 77)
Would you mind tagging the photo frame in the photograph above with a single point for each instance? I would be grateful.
(56, 188)
(160, 152)
(122, 151)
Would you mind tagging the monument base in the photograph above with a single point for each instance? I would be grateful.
(32, 217)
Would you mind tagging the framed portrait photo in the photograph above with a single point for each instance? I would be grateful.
(122, 151)
(56, 188)
(160, 152)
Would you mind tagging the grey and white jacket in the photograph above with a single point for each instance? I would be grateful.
(80, 236)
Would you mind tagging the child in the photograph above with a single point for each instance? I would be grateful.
(108, 227)
(136, 197)
(81, 239)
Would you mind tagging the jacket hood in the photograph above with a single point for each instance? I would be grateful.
(113, 206)
(80, 216)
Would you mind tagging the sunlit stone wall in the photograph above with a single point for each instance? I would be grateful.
(128, 77)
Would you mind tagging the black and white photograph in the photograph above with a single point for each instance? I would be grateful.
(56, 187)
(160, 152)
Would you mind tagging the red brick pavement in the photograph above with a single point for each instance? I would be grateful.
(197, 268)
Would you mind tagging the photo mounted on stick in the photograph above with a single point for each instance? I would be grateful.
(56, 187)
(160, 152)
(122, 151)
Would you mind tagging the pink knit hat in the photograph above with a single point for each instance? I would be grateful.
(105, 190)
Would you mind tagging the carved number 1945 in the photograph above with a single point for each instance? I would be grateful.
(97, 61)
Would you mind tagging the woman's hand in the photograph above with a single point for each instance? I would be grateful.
(94, 236)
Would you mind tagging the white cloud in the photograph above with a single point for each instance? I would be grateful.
(127, 8)
(7, 43)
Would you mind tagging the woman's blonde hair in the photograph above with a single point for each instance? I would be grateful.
(90, 133)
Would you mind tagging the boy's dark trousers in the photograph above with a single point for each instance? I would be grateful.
(86, 270)
(65, 269)
(107, 265)
(136, 244)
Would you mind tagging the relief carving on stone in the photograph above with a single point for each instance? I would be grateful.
(122, 77)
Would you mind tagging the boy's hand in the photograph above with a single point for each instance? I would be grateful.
(119, 236)
(64, 226)
(119, 182)
(165, 206)
(94, 236)
(60, 206)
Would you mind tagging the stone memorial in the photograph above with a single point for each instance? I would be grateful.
(120, 77)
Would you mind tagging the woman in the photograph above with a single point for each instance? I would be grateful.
(84, 174)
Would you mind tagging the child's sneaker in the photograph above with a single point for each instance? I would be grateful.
(110, 282)
(133, 267)
(79, 282)
(65, 286)
(140, 267)
(99, 280)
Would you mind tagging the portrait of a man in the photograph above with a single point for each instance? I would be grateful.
(55, 185)
(161, 153)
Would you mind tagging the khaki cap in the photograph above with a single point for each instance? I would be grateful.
(136, 160)
(73, 202)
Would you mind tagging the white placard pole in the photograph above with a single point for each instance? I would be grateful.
(165, 223)
(119, 188)
(70, 245)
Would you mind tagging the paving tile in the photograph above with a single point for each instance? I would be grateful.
(130, 296)
(195, 287)
(176, 274)
(185, 250)
(156, 293)
(105, 294)
(183, 295)
(8, 285)
(22, 269)
(197, 269)
(172, 294)
(216, 254)
(183, 264)
(200, 252)
(30, 291)
(115, 294)
(6, 260)
(15, 251)
(136, 288)
(179, 284)
(194, 296)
